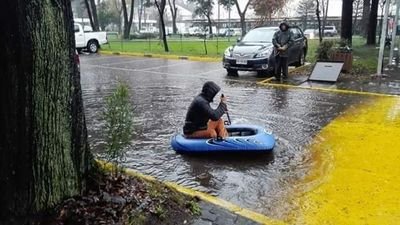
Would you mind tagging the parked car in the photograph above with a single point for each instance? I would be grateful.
(88, 40)
(311, 33)
(233, 32)
(254, 52)
(330, 31)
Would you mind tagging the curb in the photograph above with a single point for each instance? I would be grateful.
(246, 213)
(328, 90)
(163, 56)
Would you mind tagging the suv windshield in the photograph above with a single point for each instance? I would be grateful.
(260, 35)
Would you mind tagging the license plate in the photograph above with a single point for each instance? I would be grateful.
(241, 61)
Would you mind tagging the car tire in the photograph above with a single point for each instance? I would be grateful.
(232, 72)
(92, 46)
(301, 59)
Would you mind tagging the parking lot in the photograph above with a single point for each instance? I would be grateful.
(161, 91)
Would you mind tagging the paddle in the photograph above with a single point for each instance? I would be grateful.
(227, 114)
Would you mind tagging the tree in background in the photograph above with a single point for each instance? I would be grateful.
(324, 6)
(174, 11)
(357, 6)
(346, 31)
(160, 5)
(127, 20)
(365, 17)
(317, 12)
(204, 8)
(44, 153)
(92, 14)
(305, 9)
(267, 8)
(107, 14)
(372, 23)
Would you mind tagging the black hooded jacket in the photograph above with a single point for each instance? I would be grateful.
(200, 111)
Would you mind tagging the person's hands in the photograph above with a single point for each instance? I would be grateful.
(284, 48)
(223, 99)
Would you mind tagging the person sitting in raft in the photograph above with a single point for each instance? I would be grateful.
(202, 121)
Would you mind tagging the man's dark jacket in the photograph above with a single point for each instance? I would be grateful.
(282, 38)
(200, 111)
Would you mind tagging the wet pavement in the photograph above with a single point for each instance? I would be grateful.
(161, 90)
(212, 215)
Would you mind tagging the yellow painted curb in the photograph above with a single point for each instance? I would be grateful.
(356, 177)
(164, 56)
(328, 90)
(254, 216)
(290, 71)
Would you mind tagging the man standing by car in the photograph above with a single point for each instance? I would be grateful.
(282, 40)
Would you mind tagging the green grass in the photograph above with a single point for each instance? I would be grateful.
(365, 57)
(186, 46)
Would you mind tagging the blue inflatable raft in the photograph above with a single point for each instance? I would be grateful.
(242, 138)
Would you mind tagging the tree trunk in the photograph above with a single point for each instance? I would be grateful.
(365, 16)
(347, 21)
(373, 20)
(94, 14)
(127, 21)
(161, 7)
(44, 155)
(317, 11)
(173, 9)
(356, 15)
(210, 31)
(89, 11)
(325, 16)
(243, 23)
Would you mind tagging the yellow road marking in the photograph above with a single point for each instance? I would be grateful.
(327, 90)
(356, 180)
(254, 216)
(165, 56)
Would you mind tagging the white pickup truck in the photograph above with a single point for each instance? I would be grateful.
(88, 40)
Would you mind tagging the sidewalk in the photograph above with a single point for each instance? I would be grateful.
(389, 84)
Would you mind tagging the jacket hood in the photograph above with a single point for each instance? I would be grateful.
(210, 89)
(284, 23)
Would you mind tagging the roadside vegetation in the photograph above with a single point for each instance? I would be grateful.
(364, 56)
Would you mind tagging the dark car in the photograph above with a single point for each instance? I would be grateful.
(254, 52)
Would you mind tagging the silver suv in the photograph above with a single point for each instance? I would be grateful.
(330, 31)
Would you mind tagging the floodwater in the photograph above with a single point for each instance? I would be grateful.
(161, 91)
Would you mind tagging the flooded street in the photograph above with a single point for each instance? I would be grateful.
(161, 91)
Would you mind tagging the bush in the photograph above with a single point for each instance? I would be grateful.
(118, 117)
(324, 50)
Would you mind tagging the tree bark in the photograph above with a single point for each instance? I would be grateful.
(89, 11)
(127, 20)
(347, 21)
(44, 155)
(317, 11)
(94, 15)
(174, 10)
(356, 15)
(242, 15)
(373, 20)
(325, 6)
(161, 7)
(365, 16)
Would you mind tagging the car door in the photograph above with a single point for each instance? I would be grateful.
(294, 50)
(79, 36)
